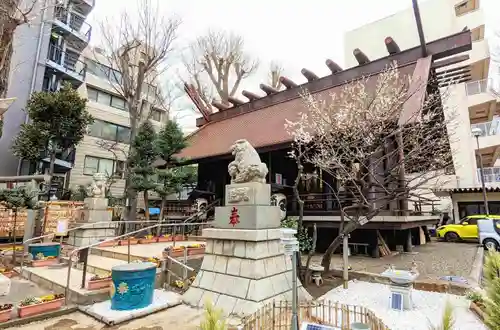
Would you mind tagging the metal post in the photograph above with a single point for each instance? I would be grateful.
(128, 249)
(481, 171)
(84, 255)
(184, 270)
(295, 320)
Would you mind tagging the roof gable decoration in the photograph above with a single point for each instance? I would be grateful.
(261, 119)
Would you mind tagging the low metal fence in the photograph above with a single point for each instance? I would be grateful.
(278, 315)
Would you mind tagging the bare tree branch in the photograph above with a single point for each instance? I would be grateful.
(217, 64)
(275, 72)
(355, 136)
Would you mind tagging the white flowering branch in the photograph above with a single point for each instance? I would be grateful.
(357, 136)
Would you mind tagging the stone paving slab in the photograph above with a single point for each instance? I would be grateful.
(58, 276)
(146, 250)
(103, 312)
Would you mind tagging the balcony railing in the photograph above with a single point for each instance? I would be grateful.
(491, 174)
(476, 87)
(75, 22)
(489, 128)
(488, 85)
(69, 61)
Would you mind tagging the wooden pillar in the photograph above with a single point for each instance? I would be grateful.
(375, 252)
(407, 244)
(427, 234)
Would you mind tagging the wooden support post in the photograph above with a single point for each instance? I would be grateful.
(407, 243)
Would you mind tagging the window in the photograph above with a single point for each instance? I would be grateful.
(108, 131)
(475, 208)
(477, 34)
(156, 114)
(465, 7)
(103, 71)
(103, 165)
(106, 98)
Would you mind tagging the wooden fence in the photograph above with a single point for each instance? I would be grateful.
(277, 315)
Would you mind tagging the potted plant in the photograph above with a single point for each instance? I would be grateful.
(124, 241)
(7, 272)
(196, 249)
(178, 238)
(148, 239)
(154, 260)
(97, 282)
(5, 311)
(41, 261)
(175, 252)
(108, 244)
(38, 305)
(165, 238)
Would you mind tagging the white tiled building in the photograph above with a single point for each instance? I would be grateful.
(473, 102)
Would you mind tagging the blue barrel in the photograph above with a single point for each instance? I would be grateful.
(44, 250)
(132, 286)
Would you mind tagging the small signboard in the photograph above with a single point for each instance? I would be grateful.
(313, 326)
(62, 227)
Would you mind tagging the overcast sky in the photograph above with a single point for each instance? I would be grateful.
(296, 33)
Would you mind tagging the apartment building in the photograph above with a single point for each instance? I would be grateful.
(104, 148)
(472, 102)
(47, 53)
(53, 50)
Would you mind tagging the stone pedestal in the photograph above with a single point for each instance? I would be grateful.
(244, 266)
(95, 211)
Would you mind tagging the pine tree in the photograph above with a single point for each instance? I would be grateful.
(492, 279)
(58, 122)
(172, 179)
(140, 161)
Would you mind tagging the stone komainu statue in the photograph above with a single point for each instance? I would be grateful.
(246, 166)
(98, 187)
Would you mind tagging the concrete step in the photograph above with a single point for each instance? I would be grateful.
(102, 265)
(54, 279)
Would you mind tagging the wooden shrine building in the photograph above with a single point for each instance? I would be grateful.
(261, 120)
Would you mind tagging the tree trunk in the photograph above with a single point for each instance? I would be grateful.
(162, 208)
(7, 28)
(327, 257)
(309, 257)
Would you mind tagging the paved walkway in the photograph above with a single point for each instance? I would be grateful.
(434, 260)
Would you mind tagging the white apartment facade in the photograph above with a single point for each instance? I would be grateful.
(105, 147)
(473, 104)
(47, 53)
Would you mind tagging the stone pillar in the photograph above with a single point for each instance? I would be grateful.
(95, 211)
(407, 243)
(244, 265)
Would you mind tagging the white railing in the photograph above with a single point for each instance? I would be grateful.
(488, 128)
(476, 87)
(491, 174)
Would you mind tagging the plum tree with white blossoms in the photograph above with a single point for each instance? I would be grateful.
(379, 157)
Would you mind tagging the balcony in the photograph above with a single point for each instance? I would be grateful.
(66, 65)
(84, 6)
(491, 175)
(73, 26)
(489, 128)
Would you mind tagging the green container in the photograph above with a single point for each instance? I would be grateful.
(50, 249)
(359, 326)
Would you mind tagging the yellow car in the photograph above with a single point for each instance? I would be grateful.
(465, 230)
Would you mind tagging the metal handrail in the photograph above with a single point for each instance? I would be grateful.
(75, 228)
(209, 207)
(70, 257)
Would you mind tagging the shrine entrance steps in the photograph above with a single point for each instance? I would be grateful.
(100, 262)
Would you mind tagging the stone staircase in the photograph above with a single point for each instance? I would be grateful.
(100, 261)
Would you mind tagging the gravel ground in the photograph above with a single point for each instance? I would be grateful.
(434, 260)
(428, 307)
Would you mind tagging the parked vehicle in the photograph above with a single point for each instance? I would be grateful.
(467, 229)
(489, 233)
